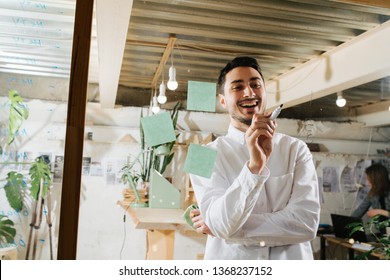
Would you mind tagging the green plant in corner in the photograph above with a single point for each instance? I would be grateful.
(382, 244)
(140, 167)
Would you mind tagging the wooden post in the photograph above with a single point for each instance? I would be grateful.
(160, 244)
(74, 141)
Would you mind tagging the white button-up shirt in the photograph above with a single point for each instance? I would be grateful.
(273, 215)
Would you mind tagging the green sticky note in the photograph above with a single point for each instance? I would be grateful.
(201, 96)
(158, 129)
(163, 194)
(200, 160)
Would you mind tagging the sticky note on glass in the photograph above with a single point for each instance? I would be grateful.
(158, 129)
(200, 160)
(201, 96)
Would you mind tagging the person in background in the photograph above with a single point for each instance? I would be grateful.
(262, 200)
(377, 201)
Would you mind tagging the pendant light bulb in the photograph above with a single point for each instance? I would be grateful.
(162, 97)
(155, 107)
(172, 83)
(340, 100)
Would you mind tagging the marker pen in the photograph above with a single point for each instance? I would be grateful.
(276, 112)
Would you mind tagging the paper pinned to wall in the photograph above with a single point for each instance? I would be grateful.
(158, 129)
(200, 160)
(201, 96)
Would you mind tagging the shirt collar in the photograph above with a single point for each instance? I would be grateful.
(236, 134)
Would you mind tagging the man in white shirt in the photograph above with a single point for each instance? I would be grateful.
(262, 200)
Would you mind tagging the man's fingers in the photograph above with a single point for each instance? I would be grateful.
(194, 213)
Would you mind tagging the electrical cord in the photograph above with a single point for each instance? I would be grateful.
(124, 233)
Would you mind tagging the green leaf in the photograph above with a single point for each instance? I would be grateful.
(364, 256)
(7, 230)
(141, 130)
(18, 113)
(40, 170)
(13, 190)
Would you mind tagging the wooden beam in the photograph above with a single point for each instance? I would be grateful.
(346, 66)
(112, 21)
(164, 59)
(375, 3)
(74, 141)
(374, 114)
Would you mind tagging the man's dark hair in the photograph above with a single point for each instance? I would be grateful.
(245, 61)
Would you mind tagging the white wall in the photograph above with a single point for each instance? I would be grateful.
(102, 232)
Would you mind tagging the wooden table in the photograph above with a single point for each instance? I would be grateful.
(330, 238)
(160, 226)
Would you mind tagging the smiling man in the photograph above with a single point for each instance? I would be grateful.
(262, 200)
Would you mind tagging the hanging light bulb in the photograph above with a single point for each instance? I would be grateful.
(155, 107)
(340, 101)
(161, 97)
(172, 83)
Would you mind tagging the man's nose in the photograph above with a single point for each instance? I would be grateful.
(248, 92)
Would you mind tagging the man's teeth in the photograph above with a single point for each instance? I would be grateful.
(249, 104)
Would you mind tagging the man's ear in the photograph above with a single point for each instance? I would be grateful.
(222, 100)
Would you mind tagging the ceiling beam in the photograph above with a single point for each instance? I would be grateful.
(112, 21)
(375, 3)
(359, 61)
(164, 59)
(377, 114)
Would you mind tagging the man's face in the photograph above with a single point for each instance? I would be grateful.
(244, 95)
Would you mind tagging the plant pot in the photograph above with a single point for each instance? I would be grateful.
(130, 198)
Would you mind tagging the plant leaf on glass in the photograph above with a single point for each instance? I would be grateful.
(13, 190)
(7, 230)
(39, 170)
(18, 113)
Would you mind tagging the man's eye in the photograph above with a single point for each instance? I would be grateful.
(256, 86)
(237, 88)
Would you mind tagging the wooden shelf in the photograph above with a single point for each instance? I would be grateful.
(156, 218)
(160, 226)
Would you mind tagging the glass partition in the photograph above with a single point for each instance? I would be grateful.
(35, 57)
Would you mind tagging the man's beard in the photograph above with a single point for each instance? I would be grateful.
(242, 120)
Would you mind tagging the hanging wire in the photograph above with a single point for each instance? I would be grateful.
(359, 184)
(309, 124)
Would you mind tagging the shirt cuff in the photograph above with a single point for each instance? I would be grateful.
(253, 179)
(265, 172)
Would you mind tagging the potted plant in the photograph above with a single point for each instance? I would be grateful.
(138, 170)
(16, 187)
(382, 245)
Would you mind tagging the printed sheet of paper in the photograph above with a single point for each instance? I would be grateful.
(200, 160)
(201, 96)
(158, 129)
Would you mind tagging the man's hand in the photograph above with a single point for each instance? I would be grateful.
(259, 141)
(199, 224)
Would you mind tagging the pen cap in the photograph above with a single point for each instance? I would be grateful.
(276, 112)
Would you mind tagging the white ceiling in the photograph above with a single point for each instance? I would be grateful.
(308, 50)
